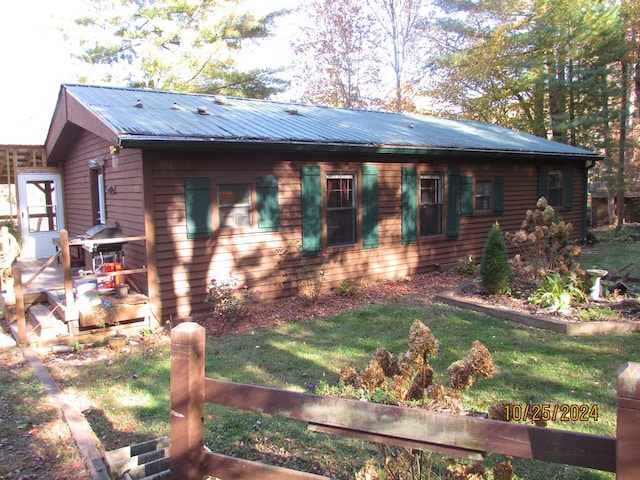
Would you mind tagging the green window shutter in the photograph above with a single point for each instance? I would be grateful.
(543, 183)
(369, 206)
(268, 211)
(453, 203)
(498, 195)
(568, 188)
(409, 205)
(197, 193)
(311, 192)
(466, 196)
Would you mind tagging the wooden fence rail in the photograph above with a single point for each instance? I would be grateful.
(392, 425)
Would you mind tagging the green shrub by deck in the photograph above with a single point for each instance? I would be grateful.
(495, 271)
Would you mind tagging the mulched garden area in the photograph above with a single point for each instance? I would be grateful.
(274, 313)
(295, 309)
(609, 308)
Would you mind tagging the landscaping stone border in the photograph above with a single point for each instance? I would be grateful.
(454, 298)
(86, 440)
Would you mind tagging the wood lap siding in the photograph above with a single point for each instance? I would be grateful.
(186, 265)
(266, 260)
(125, 206)
(77, 189)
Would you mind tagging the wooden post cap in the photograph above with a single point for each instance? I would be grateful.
(629, 381)
(187, 331)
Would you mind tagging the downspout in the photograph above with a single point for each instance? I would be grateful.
(585, 218)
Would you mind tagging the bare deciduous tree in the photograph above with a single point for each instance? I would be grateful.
(335, 55)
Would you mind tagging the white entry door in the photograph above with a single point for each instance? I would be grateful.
(41, 212)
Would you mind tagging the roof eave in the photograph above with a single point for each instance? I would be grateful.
(147, 142)
(69, 111)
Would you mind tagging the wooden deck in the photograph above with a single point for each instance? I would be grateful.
(51, 278)
(46, 306)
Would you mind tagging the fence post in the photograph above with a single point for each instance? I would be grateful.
(18, 289)
(628, 422)
(187, 401)
(71, 312)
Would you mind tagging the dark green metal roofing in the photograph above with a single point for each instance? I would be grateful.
(146, 117)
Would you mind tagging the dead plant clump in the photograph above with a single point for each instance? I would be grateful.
(407, 379)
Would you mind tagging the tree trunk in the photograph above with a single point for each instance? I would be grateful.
(622, 144)
(611, 209)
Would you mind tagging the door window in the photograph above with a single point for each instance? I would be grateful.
(41, 206)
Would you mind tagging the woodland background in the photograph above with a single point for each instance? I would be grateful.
(567, 71)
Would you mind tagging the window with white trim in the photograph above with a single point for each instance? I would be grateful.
(341, 212)
(234, 205)
(430, 204)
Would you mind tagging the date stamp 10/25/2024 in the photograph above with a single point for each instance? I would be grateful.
(545, 412)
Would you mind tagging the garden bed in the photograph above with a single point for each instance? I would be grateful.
(301, 308)
(625, 317)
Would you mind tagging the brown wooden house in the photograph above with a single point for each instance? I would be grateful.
(261, 189)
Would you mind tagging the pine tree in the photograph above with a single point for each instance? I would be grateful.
(495, 271)
(176, 45)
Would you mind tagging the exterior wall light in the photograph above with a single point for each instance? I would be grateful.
(96, 163)
(114, 150)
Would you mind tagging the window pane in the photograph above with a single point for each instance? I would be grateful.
(341, 227)
(428, 191)
(234, 205)
(42, 218)
(41, 207)
(483, 196)
(340, 191)
(556, 192)
(431, 219)
(555, 179)
(430, 205)
(341, 209)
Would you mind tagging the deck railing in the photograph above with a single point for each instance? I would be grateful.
(411, 427)
(19, 288)
(63, 252)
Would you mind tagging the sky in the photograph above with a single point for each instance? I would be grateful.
(36, 59)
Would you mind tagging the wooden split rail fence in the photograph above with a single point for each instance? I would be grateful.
(392, 425)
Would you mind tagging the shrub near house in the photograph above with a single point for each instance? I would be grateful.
(495, 271)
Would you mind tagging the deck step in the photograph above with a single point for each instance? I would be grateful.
(153, 470)
(143, 461)
(166, 475)
(44, 326)
(56, 301)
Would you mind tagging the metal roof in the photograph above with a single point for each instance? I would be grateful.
(148, 116)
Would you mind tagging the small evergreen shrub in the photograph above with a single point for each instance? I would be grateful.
(495, 271)
(347, 288)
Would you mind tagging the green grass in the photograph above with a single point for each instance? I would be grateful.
(35, 441)
(131, 394)
(613, 255)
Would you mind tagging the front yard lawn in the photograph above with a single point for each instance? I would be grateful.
(125, 395)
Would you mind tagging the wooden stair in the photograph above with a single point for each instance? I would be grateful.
(46, 326)
(143, 461)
